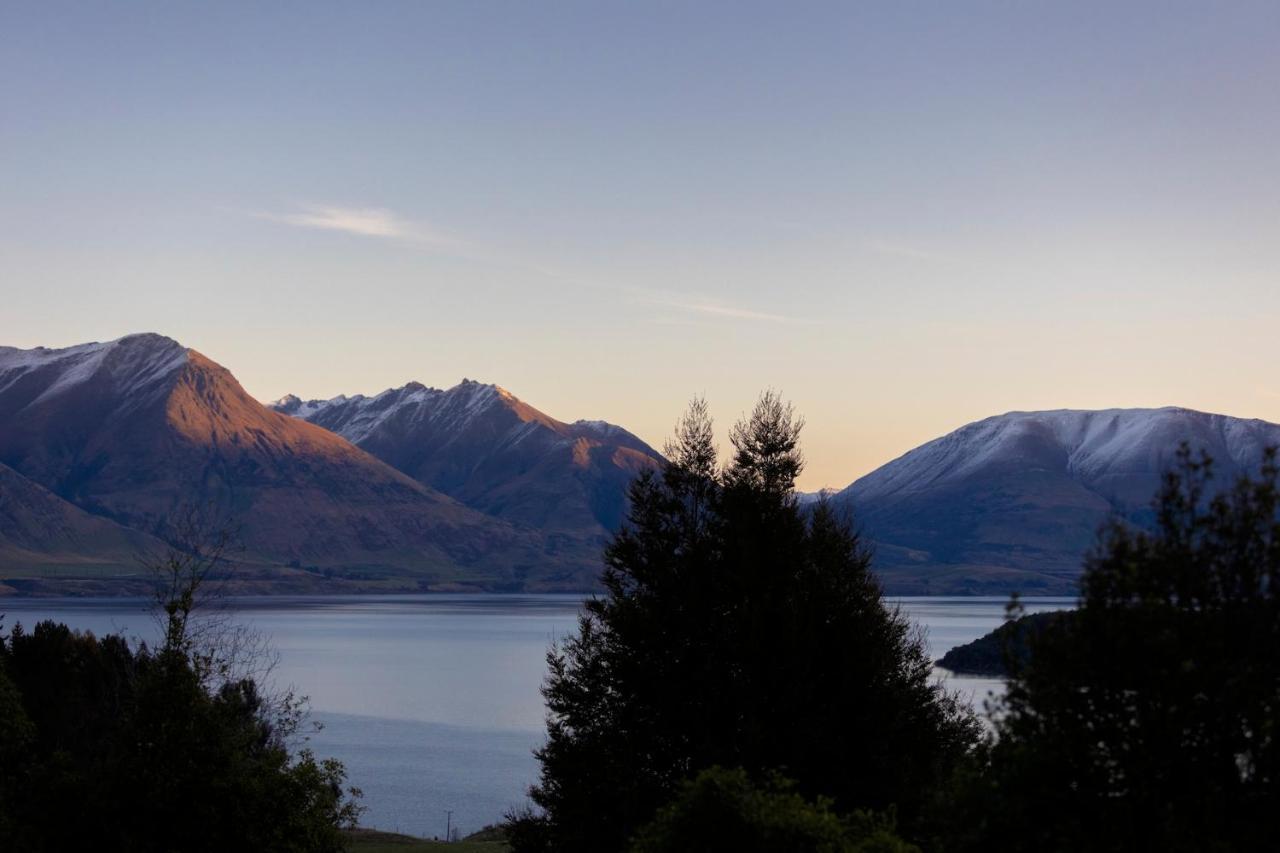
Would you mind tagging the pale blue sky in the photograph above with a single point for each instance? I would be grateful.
(904, 216)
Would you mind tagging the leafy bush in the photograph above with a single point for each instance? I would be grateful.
(721, 810)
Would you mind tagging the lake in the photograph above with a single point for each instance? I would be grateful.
(432, 701)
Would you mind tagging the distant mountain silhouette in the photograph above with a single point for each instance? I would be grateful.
(1015, 501)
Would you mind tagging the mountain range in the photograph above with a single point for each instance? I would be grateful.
(129, 433)
(102, 444)
(487, 449)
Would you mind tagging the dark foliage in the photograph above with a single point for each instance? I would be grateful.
(735, 631)
(1005, 648)
(723, 811)
(107, 748)
(1148, 721)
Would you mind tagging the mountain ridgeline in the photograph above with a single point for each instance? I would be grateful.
(118, 437)
(469, 487)
(1014, 502)
(482, 446)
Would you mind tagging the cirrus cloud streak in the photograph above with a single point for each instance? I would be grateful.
(374, 222)
(709, 307)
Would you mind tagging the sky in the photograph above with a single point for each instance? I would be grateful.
(901, 216)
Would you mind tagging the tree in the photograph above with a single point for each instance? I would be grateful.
(196, 541)
(16, 733)
(1149, 720)
(735, 630)
(107, 746)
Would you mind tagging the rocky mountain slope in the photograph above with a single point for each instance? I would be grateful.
(1014, 501)
(481, 445)
(133, 429)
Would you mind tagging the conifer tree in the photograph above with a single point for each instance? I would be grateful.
(735, 630)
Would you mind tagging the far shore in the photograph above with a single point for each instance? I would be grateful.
(58, 584)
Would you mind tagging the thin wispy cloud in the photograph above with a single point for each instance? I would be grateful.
(695, 305)
(374, 222)
(715, 308)
(383, 224)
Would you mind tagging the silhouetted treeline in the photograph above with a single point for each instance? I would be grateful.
(742, 643)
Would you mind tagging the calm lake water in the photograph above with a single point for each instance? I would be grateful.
(432, 701)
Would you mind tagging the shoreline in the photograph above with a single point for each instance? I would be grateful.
(132, 586)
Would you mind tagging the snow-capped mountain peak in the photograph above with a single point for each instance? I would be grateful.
(358, 417)
(1089, 445)
(482, 444)
(134, 366)
(1017, 499)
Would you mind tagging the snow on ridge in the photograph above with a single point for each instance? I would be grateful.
(451, 412)
(521, 432)
(357, 417)
(135, 362)
(13, 358)
(370, 413)
(602, 428)
(306, 409)
(1095, 444)
(478, 396)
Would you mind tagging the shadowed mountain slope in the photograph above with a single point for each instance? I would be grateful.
(481, 445)
(1015, 501)
(41, 533)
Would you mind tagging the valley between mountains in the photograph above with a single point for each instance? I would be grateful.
(470, 488)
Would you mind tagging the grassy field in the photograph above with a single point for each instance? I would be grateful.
(375, 841)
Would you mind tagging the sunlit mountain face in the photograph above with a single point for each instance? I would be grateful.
(135, 429)
(483, 446)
